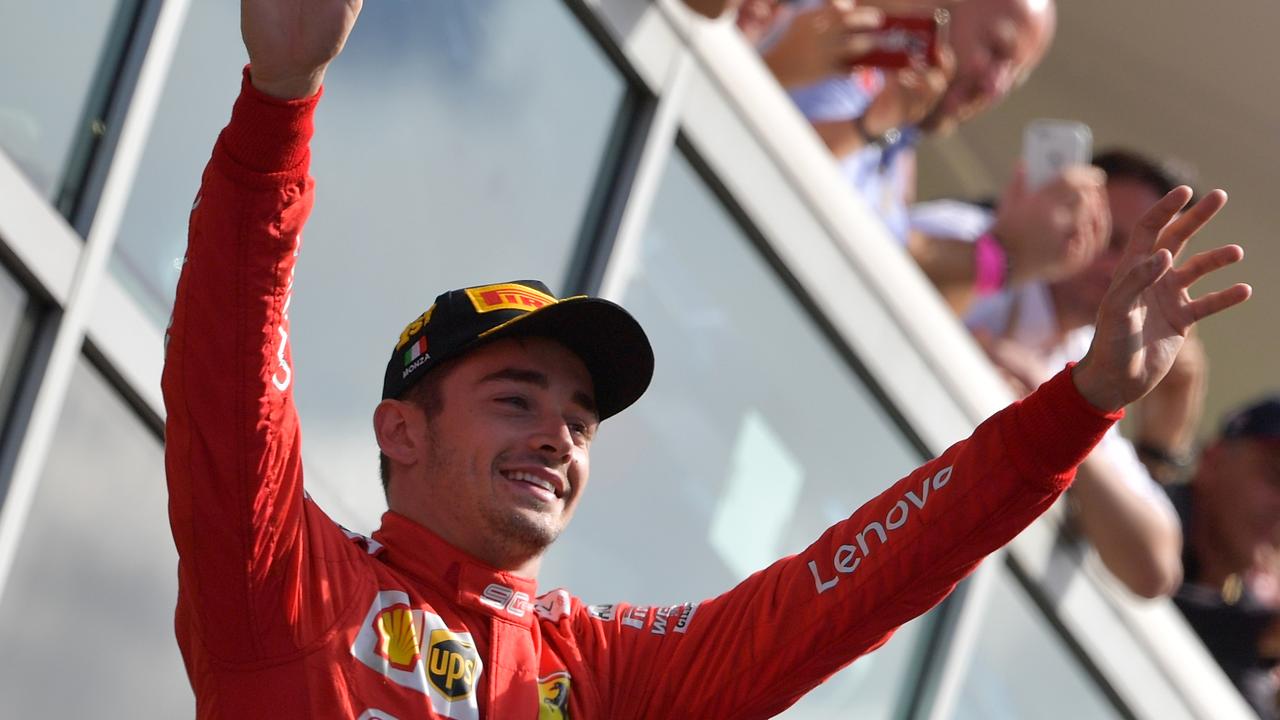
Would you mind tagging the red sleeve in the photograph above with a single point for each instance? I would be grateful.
(756, 649)
(232, 444)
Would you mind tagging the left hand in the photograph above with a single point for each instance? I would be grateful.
(1146, 314)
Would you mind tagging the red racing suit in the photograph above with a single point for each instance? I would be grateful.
(283, 614)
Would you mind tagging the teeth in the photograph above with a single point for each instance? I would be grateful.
(532, 480)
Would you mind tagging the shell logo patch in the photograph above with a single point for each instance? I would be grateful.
(553, 696)
(415, 649)
(399, 633)
(507, 296)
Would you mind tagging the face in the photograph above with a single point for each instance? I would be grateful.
(996, 43)
(1078, 297)
(505, 459)
(1239, 490)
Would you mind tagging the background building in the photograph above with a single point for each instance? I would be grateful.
(614, 146)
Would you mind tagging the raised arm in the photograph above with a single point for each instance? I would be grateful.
(754, 650)
(232, 451)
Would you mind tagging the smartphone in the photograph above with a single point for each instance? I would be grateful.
(909, 40)
(1050, 146)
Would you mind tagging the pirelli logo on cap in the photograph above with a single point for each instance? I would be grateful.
(507, 296)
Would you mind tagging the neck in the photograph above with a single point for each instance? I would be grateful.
(498, 551)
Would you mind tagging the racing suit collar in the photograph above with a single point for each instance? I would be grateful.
(417, 551)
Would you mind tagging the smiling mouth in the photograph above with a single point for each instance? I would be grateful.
(534, 480)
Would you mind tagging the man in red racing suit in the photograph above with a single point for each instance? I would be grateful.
(281, 613)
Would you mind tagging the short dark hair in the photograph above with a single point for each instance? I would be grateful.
(427, 394)
(1159, 176)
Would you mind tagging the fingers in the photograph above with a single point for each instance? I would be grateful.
(1216, 302)
(1176, 234)
(1137, 279)
(1143, 238)
(1206, 262)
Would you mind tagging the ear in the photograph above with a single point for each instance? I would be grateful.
(398, 426)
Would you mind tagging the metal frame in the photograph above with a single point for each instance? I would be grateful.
(89, 268)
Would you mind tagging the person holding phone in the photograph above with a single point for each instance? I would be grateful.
(1119, 507)
(872, 120)
(491, 400)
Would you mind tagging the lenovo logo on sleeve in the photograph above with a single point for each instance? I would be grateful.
(849, 557)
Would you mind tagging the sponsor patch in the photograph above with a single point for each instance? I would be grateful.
(415, 351)
(602, 612)
(399, 636)
(412, 328)
(507, 296)
(849, 556)
(414, 365)
(414, 649)
(635, 616)
(554, 605)
(553, 696)
(683, 624)
(501, 597)
(453, 665)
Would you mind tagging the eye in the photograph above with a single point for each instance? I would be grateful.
(515, 401)
(580, 429)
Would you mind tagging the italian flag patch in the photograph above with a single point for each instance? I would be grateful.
(414, 351)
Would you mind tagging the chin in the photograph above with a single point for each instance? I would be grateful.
(531, 530)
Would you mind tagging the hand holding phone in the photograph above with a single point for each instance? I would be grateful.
(909, 40)
(1051, 146)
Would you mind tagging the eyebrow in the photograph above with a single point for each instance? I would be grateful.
(538, 379)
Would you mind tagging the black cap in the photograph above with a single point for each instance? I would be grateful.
(1261, 419)
(610, 342)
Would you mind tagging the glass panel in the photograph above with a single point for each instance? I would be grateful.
(458, 144)
(13, 305)
(51, 52)
(1022, 668)
(742, 451)
(86, 621)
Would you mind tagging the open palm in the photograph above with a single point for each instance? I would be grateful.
(1146, 314)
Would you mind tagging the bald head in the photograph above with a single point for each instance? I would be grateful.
(997, 43)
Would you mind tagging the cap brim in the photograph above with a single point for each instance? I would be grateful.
(610, 342)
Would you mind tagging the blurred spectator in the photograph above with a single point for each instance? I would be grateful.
(811, 44)
(1045, 234)
(1036, 328)
(873, 119)
(1231, 513)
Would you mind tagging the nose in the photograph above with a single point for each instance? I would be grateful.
(552, 438)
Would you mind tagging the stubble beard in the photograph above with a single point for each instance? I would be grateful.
(510, 533)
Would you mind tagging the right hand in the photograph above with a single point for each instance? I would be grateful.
(1056, 230)
(824, 41)
(292, 42)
